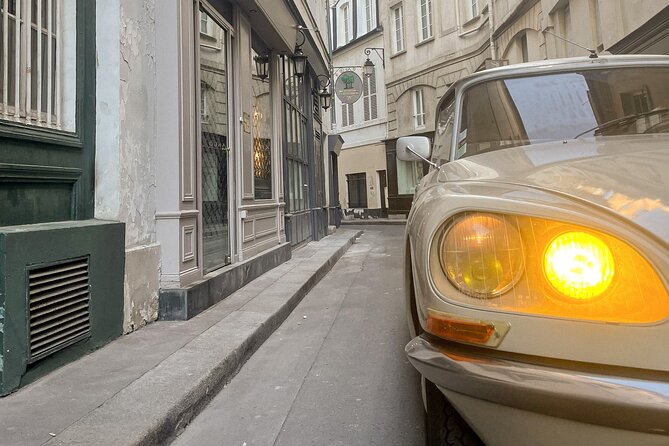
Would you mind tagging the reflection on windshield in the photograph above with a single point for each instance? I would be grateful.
(563, 106)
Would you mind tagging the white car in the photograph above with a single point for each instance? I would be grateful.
(537, 256)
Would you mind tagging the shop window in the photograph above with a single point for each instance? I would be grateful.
(357, 190)
(38, 63)
(262, 134)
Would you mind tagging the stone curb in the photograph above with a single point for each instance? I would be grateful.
(210, 386)
(373, 221)
(163, 427)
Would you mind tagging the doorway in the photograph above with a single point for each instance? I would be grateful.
(215, 138)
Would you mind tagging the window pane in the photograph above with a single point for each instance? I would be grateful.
(262, 136)
(39, 86)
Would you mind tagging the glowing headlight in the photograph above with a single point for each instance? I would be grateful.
(536, 266)
(579, 265)
(481, 254)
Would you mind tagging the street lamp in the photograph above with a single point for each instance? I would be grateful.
(299, 58)
(262, 65)
(368, 66)
(325, 93)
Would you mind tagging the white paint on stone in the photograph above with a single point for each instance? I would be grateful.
(126, 145)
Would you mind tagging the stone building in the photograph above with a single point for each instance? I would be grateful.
(430, 44)
(154, 157)
(357, 37)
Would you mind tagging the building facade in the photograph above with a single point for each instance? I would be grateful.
(431, 44)
(360, 119)
(154, 158)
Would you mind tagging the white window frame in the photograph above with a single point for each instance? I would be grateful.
(472, 9)
(424, 17)
(345, 15)
(29, 104)
(370, 14)
(418, 108)
(398, 28)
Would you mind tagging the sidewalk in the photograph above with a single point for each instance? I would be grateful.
(145, 387)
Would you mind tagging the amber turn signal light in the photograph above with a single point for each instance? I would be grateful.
(471, 331)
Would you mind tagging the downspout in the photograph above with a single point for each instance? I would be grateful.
(333, 114)
(491, 14)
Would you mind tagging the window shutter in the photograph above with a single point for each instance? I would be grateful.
(344, 116)
(351, 121)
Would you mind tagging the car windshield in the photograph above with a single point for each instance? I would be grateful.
(553, 107)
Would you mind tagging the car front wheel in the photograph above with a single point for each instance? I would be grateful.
(444, 425)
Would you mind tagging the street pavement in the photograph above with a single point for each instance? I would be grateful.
(143, 388)
(335, 372)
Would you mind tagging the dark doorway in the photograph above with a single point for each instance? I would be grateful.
(383, 183)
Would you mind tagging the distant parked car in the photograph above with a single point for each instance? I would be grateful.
(537, 256)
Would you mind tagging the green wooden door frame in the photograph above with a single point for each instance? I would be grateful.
(55, 169)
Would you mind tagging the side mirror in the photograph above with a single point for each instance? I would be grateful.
(413, 148)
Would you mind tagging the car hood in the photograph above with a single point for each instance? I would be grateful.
(627, 175)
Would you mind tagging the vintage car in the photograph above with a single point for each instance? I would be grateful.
(537, 256)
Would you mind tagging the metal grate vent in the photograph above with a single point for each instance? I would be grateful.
(59, 306)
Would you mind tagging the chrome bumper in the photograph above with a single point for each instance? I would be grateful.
(623, 403)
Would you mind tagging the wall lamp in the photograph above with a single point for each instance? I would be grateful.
(325, 93)
(368, 66)
(262, 65)
(298, 57)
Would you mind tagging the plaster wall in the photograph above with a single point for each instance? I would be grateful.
(125, 150)
(457, 48)
(595, 23)
(368, 159)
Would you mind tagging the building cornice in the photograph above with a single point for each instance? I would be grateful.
(476, 52)
(358, 40)
(511, 18)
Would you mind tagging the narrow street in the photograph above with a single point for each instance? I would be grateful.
(335, 372)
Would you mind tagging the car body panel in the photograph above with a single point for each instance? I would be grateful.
(617, 185)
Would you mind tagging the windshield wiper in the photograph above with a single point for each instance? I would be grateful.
(622, 121)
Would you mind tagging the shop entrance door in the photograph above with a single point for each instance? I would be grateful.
(215, 140)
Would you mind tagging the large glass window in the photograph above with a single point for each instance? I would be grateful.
(38, 62)
(215, 141)
(296, 138)
(262, 134)
(564, 106)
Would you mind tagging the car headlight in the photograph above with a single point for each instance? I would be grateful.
(579, 265)
(481, 255)
(544, 267)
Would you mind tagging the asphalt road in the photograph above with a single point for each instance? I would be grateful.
(335, 372)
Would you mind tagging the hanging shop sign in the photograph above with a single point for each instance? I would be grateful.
(348, 87)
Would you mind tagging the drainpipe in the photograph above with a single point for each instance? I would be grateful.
(491, 21)
(333, 113)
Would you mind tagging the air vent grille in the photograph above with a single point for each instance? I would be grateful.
(59, 311)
